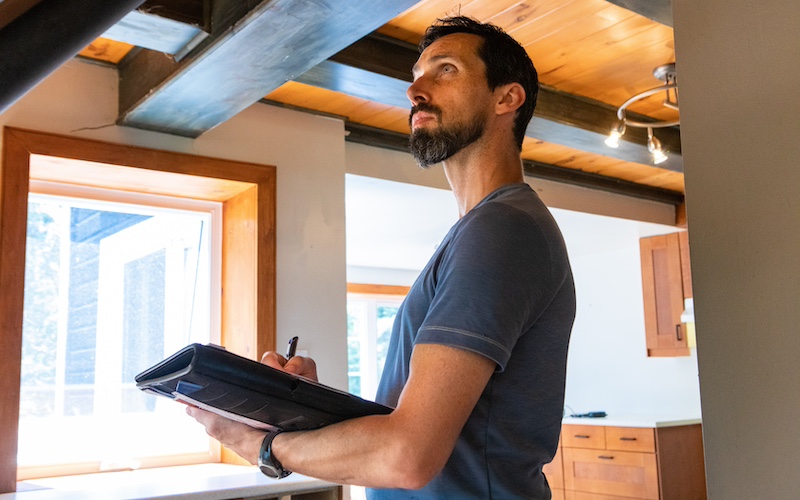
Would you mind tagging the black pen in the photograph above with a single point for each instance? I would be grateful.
(291, 348)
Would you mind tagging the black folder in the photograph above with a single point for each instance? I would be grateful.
(242, 389)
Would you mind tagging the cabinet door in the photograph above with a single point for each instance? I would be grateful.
(662, 288)
(607, 472)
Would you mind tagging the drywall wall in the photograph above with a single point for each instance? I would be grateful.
(739, 75)
(80, 99)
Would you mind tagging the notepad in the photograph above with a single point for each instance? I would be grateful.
(214, 379)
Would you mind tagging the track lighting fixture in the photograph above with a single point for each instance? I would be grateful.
(668, 75)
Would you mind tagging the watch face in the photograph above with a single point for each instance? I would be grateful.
(270, 471)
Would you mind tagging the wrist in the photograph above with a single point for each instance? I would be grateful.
(268, 463)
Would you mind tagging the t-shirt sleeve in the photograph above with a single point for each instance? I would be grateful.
(493, 282)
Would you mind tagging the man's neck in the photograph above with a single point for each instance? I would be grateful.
(474, 173)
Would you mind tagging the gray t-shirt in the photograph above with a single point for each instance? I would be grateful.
(500, 284)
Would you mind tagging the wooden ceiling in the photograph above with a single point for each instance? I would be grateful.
(591, 55)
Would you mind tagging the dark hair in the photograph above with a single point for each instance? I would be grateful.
(506, 61)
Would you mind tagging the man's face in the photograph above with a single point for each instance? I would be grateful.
(449, 99)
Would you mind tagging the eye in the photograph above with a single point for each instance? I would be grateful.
(448, 68)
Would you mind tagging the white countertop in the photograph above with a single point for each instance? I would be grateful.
(623, 420)
(204, 481)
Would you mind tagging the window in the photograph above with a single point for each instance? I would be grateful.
(246, 319)
(371, 310)
(110, 289)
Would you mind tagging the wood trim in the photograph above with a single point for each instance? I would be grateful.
(686, 265)
(13, 227)
(377, 289)
(248, 297)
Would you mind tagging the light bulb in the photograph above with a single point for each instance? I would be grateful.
(654, 146)
(612, 140)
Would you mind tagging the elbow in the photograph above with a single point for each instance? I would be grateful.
(411, 467)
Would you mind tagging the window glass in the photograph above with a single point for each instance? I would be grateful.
(369, 327)
(110, 289)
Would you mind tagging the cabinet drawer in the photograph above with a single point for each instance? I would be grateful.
(630, 439)
(584, 436)
(614, 473)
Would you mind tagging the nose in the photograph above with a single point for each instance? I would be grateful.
(417, 92)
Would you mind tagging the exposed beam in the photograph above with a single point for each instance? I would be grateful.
(378, 69)
(659, 11)
(268, 46)
(154, 32)
(191, 12)
(46, 36)
(371, 136)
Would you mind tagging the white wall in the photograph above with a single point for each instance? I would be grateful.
(80, 99)
(740, 108)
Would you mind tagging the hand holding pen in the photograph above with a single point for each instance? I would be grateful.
(298, 365)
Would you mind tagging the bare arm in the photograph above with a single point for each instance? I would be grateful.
(405, 449)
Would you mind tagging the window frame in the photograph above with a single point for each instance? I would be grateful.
(246, 190)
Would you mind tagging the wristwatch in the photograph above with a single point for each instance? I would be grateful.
(267, 462)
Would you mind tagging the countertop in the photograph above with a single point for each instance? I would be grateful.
(204, 481)
(631, 420)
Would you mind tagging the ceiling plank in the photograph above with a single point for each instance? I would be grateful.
(363, 70)
(371, 136)
(659, 11)
(39, 40)
(269, 45)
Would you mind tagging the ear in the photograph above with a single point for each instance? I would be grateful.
(510, 98)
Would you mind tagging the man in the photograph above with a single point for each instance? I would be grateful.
(477, 360)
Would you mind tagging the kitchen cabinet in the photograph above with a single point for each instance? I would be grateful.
(666, 283)
(554, 472)
(625, 463)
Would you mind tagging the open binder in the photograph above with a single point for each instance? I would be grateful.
(214, 379)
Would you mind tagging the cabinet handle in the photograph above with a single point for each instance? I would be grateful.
(627, 439)
(605, 457)
(678, 332)
(581, 436)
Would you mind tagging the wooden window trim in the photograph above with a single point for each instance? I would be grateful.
(369, 289)
(246, 190)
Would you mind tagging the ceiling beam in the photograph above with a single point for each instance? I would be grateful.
(371, 136)
(12, 9)
(156, 32)
(378, 68)
(39, 40)
(659, 11)
(191, 12)
(236, 66)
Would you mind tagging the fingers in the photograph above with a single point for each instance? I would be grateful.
(298, 365)
(305, 367)
(273, 359)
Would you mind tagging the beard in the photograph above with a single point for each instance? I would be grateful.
(434, 146)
